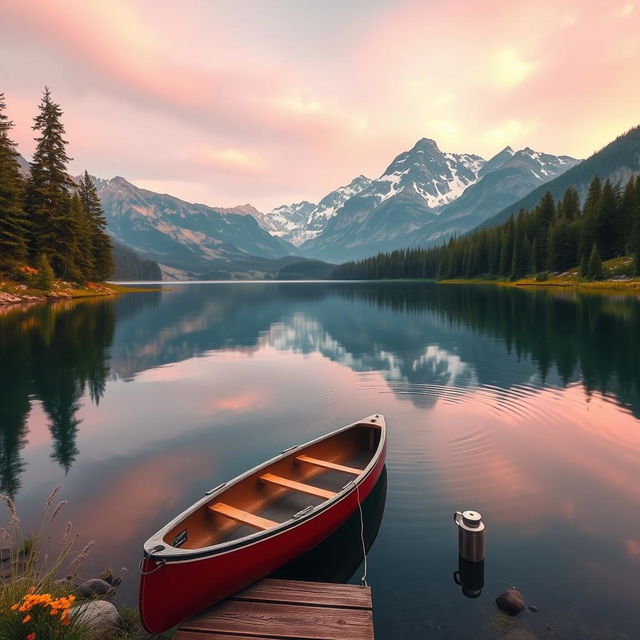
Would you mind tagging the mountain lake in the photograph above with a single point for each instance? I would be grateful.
(522, 405)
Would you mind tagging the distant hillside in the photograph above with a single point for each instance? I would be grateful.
(182, 235)
(130, 266)
(306, 270)
(289, 268)
(618, 161)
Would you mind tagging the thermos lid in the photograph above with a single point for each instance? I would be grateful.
(472, 519)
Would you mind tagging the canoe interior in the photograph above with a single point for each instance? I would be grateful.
(253, 496)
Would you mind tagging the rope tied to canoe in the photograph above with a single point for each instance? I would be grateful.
(363, 579)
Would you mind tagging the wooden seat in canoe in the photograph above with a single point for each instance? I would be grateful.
(297, 486)
(242, 516)
(325, 464)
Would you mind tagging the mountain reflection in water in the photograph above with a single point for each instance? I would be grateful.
(521, 404)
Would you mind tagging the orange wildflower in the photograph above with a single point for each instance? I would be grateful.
(26, 619)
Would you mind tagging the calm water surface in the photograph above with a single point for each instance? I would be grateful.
(523, 405)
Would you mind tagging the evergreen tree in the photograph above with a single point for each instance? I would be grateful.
(562, 250)
(627, 218)
(506, 249)
(12, 222)
(594, 269)
(47, 198)
(635, 234)
(570, 204)
(607, 221)
(591, 205)
(101, 247)
(43, 280)
(81, 244)
(521, 257)
(543, 220)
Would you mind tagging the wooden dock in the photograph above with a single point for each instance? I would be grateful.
(286, 609)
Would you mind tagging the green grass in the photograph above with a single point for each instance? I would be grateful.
(618, 277)
(32, 567)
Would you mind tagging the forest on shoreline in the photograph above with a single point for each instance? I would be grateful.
(553, 237)
(50, 225)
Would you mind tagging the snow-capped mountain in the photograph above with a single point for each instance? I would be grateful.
(426, 195)
(439, 178)
(285, 220)
(505, 178)
(304, 220)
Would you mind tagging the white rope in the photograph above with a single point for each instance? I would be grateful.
(363, 580)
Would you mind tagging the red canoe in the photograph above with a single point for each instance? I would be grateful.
(250, 526)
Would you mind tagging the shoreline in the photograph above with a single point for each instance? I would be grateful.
(631, 286)
(21, 295)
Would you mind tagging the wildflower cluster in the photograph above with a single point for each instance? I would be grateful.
(60, 607)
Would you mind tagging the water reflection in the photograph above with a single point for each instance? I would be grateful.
(51, 354)
(424, 340)
(341, 554)
(470, 577)
(519, 403)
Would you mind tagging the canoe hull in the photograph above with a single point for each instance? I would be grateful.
(180, 589)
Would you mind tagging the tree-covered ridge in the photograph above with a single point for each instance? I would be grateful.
(50, 219)
(618, 160)
(554, 236)
(130, 266)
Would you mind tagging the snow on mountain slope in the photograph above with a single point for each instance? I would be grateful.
(301, 221)
(426, 195)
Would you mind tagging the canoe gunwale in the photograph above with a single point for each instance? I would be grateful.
(170, 554)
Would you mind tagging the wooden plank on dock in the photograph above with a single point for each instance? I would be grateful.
(286, 609)
(321, 594)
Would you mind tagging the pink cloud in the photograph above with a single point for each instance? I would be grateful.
(144, 84)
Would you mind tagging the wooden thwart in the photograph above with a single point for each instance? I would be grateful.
(286, 609)
(329, 465)
(242, 516)
(297, 486)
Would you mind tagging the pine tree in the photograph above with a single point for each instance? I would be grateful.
(43, 280)
(544, 218)
(100, 242)
(626, 222)
(591, 205)
(12, 221)
(506, 248)
(635, 236)
(570, 204)
(47, 198)
(594, 269)
(81, 244)
(607, 221)
(521, 257)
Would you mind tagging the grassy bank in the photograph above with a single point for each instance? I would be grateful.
(43, 595)
(615, 278)
(21, 290)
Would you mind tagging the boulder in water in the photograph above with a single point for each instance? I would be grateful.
(510, 601)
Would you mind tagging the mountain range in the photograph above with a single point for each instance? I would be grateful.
(423, 197)
(426, 196)
(617, 161)
(192, 238)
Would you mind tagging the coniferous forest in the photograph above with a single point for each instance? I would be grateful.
(556, 236)
(48, 220)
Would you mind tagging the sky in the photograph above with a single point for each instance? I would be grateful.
(275, 101)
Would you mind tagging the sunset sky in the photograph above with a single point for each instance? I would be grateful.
(270, 102)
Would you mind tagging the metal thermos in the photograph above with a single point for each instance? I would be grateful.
(470, 535)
